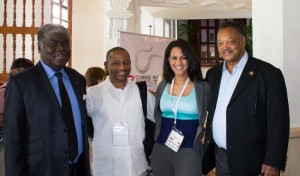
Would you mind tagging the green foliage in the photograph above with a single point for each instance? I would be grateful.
(187, 29)
(248, 34)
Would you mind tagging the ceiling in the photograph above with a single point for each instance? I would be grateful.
(198, 9)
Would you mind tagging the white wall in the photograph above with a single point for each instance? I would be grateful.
(291, 56)
(88, 34)
(267, 31)
(146, 21)
(276, 39)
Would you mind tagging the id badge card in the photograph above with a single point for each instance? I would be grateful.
(175, 139)
(121, 134)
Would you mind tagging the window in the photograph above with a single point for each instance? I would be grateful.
(59, 12)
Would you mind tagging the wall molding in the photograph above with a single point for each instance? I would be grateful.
(294, 132)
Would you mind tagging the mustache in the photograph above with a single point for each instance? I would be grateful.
(226, 50)
(63, 53)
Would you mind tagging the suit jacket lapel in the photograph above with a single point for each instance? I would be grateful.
(247, 75)
(199, 89)
(45, 84)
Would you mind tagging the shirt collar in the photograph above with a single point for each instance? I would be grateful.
(110, 85)
(50, 72)
(241, 63)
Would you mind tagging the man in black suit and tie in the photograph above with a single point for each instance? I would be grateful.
(45, 121)
(248, 117)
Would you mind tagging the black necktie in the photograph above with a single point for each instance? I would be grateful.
(68, 117)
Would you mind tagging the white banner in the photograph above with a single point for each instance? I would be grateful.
(147, 55)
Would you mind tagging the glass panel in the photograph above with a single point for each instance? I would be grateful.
(55, 20)
(213, 61)
(65, 3)
(211, 35)
(203, 61)
(212, 50)
(203, 51)
(211, 23)
(203, 35)
(203, 22)
(65, 14)
(55, 11)
(65, 24)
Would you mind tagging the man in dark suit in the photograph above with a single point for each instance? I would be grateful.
(248, 117)
(36, 132)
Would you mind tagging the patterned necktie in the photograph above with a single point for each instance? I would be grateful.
(68, 118)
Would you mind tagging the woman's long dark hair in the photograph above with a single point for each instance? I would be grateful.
(194, 69)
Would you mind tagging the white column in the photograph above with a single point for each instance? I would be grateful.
(276, 26)
(267, 19)
(117, 17)
(291, 53)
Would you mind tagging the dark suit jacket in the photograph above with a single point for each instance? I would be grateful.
(202, 93)
(36, 140)
(257, 120)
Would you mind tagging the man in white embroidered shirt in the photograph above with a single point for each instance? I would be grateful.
(116, 110)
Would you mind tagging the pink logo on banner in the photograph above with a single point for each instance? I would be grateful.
(147, 54)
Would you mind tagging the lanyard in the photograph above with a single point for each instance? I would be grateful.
(175, 107)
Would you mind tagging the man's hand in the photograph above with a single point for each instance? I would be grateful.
(269, 170)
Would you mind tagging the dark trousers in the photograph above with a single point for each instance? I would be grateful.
(221, 162)
(78, 168)
(166, 162)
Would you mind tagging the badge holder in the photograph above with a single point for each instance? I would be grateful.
(174, 139)
(120, 134)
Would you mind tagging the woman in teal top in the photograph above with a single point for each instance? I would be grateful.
(180, 111)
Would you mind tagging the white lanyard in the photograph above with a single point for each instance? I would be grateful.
(174, 108)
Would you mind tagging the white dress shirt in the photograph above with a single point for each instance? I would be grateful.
(107, 105)
(227, 86)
